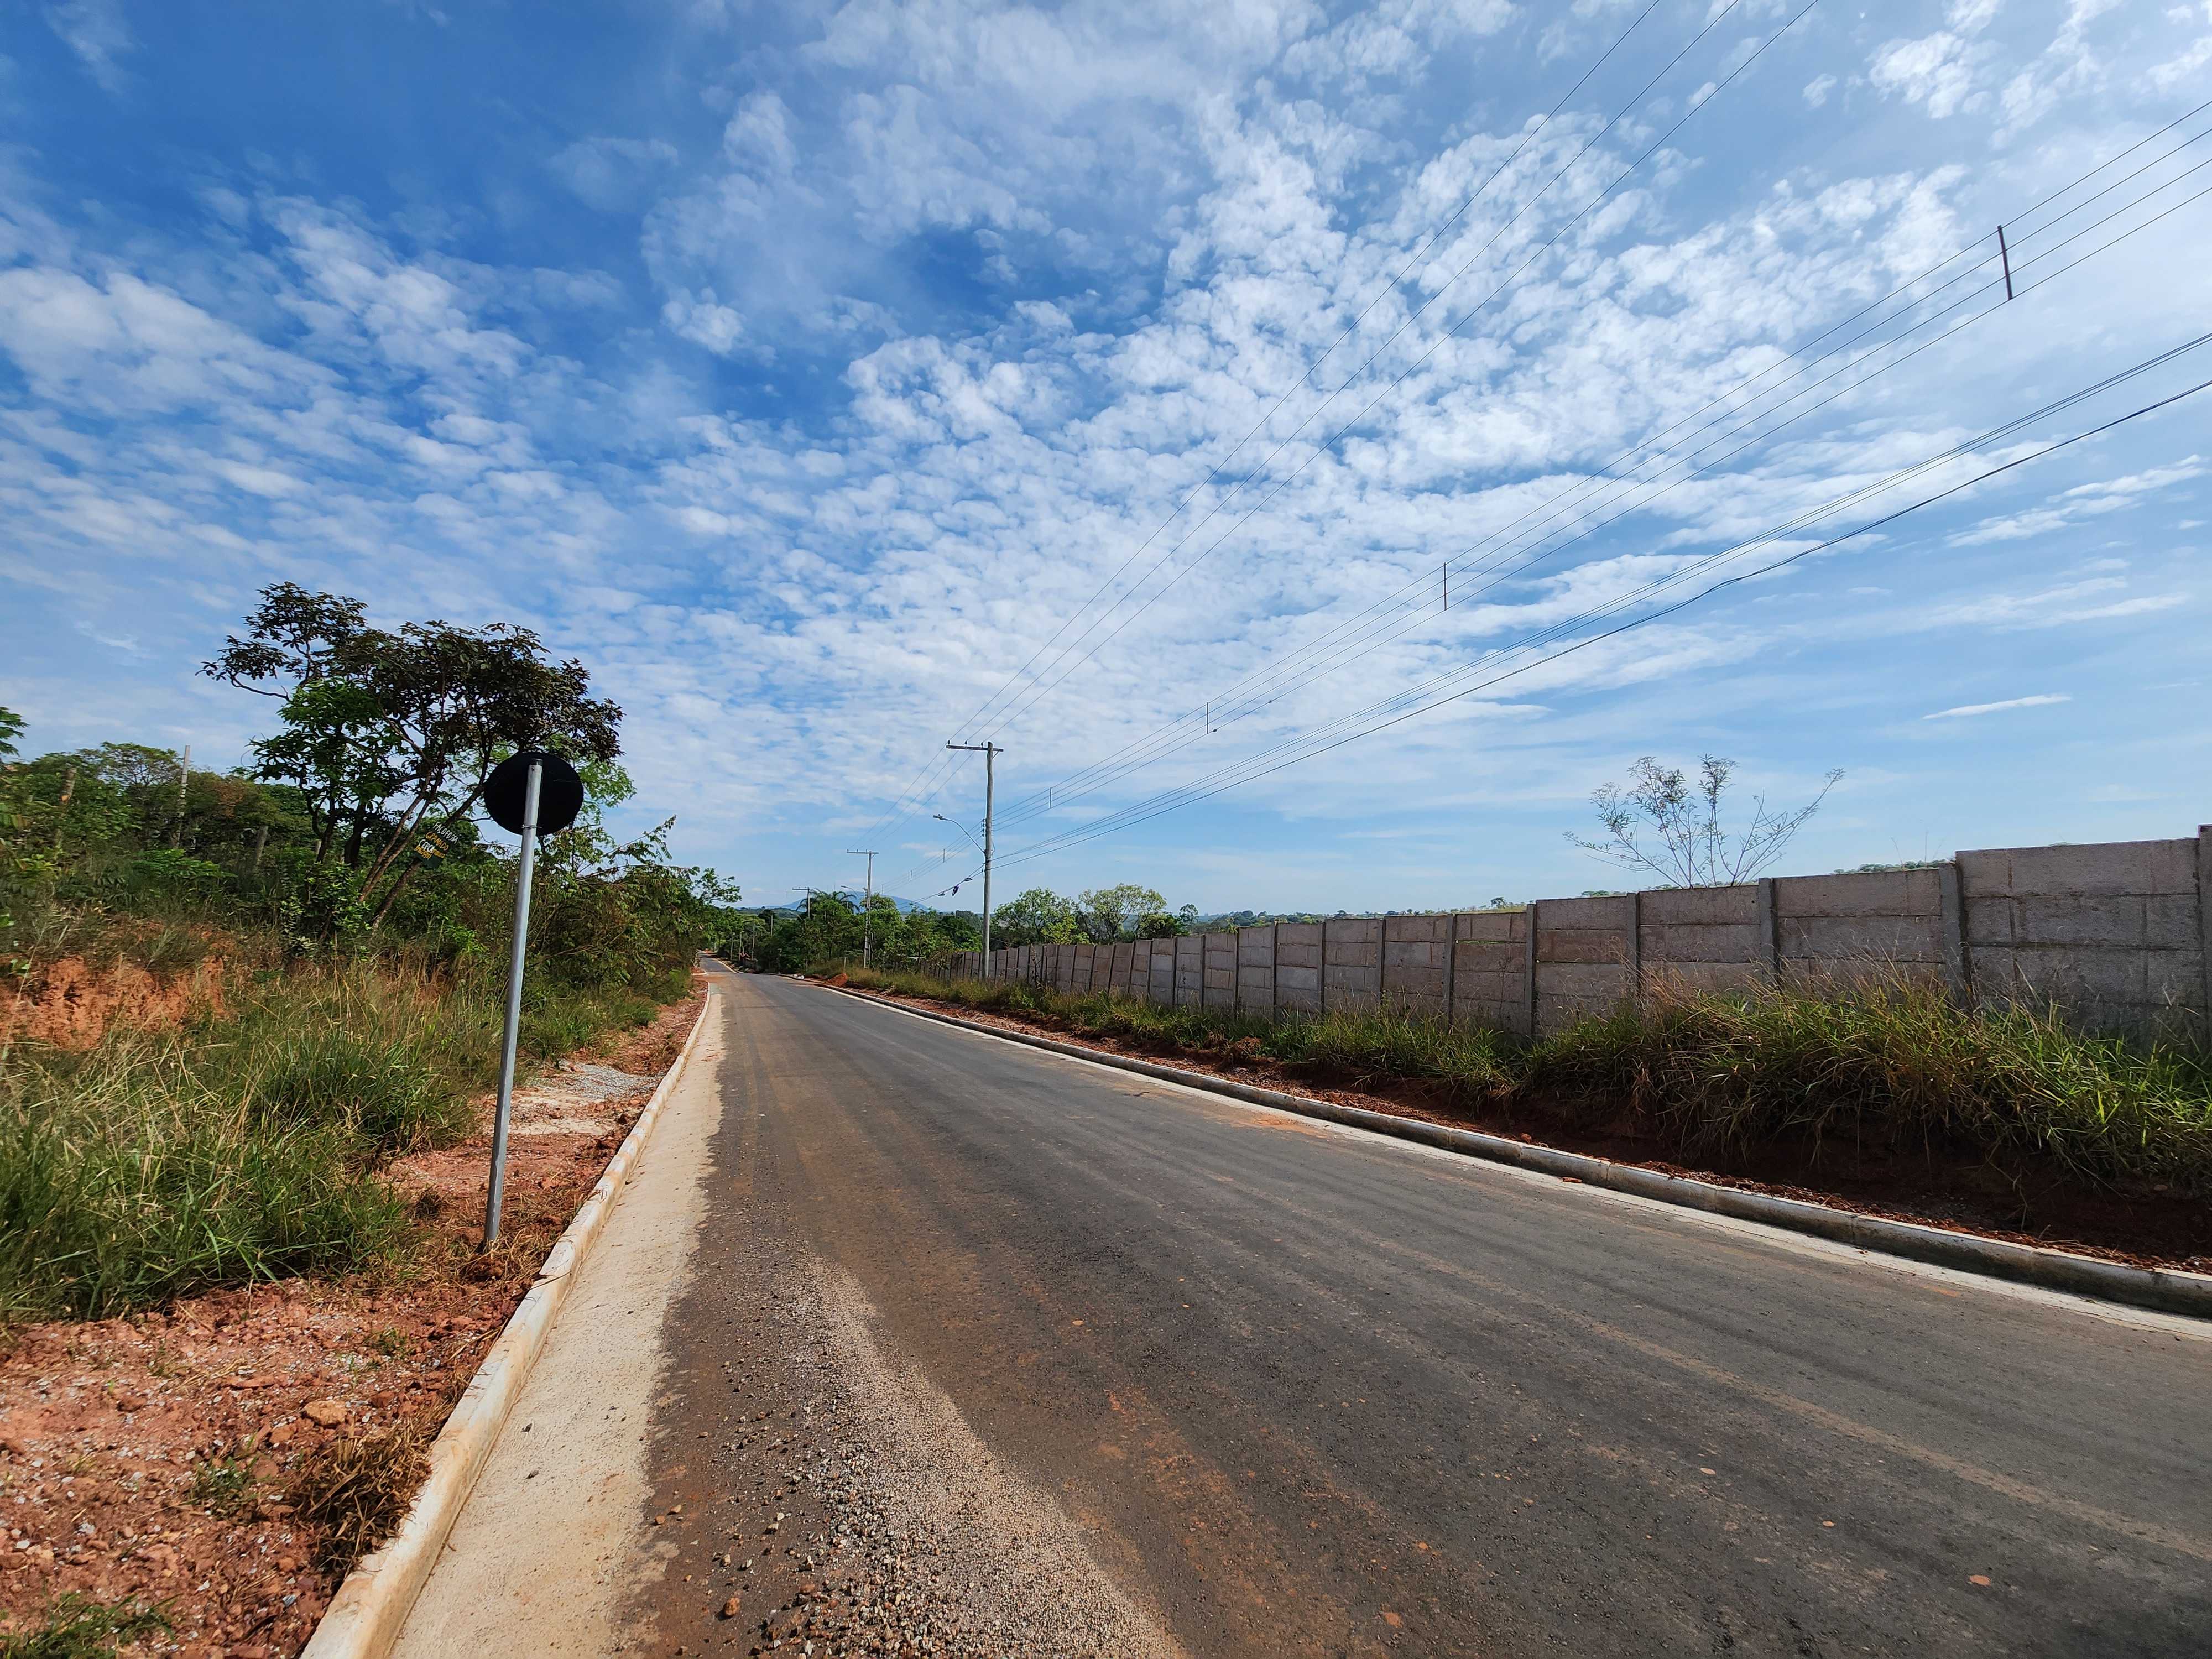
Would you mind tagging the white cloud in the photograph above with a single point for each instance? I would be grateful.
(2083, 502)
(1818, 88)
(96, 32)
(1939, 71)
(894, 487)
(1967, 711)
(613, 175)
(2176, 70)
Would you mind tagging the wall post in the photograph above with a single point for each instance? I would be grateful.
(1451, 964)
(1635, 964)
(1770, 933)
(1274, 968)
(1951, 926)
(1528, 964)
(1321, 979)
(2205, 915)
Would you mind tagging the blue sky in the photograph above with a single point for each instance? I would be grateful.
(837, 379)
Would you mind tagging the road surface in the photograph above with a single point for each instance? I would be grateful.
(1157, 1371)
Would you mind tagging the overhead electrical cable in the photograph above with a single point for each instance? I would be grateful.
(1259, 689)
(1530, 134)
(1421, 699)
(1328, 444)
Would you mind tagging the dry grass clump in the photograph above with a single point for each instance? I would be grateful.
(357, 1491)
(243, 1145)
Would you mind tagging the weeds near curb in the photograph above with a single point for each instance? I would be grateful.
(78, 1627)
(222, 1485)
(358, 1491)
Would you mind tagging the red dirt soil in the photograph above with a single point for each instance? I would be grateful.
(118, 1438)
(70, 1002)
(2142, 1227)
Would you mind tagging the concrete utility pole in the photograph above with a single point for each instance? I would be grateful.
(990, 752)
(868, 897)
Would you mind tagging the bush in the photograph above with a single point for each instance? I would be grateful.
(235, 1148)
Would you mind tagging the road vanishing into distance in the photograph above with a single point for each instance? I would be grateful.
(1217, 1380)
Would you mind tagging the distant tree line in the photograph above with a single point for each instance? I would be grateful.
(827, 929)
(1104, 915)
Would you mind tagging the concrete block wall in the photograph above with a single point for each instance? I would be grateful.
(1351, 962)
(1297, 966)
(2116, 931)
(2118, 934)
(1159, 970)
(1255, 969)
(1713, 938)
(1585, 960)
(1824, 923)
(1417, 963)
(1490, 970)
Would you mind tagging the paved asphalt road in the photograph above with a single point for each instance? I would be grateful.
(1310, 1391)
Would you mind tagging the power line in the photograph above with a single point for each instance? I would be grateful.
(1219, 714)
(1452, 332)
(1272, 681)
(1407, 322)
(1429, 695)
(1711, 22)
(1528, 138)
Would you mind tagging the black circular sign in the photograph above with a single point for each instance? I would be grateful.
(559, 792)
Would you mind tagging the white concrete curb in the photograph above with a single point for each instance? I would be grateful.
(2168, 1290)
(365, 1617)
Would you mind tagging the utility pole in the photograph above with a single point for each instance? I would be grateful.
(990, 752)
(868, 898)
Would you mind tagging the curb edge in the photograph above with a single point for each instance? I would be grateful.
(365, 1617)
(2165, 1290)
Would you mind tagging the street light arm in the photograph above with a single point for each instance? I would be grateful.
(962, 828)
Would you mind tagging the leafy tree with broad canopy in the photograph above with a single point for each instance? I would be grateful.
(384, 731)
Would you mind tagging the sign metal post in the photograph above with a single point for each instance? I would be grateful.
(532, 793)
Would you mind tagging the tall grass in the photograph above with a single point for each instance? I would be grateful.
(1353, 1049)
(1879, 1061)
(1888, 1061)
(245, 1145)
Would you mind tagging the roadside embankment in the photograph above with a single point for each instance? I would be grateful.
(1877, 1094)
(239, 1271)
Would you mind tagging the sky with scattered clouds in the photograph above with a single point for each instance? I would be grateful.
(1321, 444)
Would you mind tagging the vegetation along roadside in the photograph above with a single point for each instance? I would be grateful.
(249, 1022)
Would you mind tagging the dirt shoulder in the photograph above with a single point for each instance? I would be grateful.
(157, 1459)
(2141, 1228)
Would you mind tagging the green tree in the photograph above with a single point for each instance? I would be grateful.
(1040, 916)
(1118, 912)
(392, 730)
